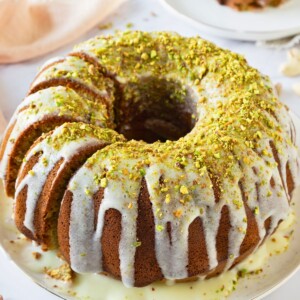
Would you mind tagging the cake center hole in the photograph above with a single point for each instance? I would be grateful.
(155, 110)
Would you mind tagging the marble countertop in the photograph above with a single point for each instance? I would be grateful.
(144, 15)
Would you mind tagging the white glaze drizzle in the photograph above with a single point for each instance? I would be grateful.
(46, 103)
(36, 182)
(262, 198)
(172, 259)
(87, 242)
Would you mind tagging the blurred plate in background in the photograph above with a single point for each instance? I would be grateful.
(213, 18)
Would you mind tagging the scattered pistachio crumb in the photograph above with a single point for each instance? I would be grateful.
(137, 244)
(153, 54)
(103, 182)
(63, 273)
(177, 213)
(184, 190)
(168, 198)
(217, 155)
(87, 192)
(31, 172)
(142, 172)
(159, 228)
(105, 26)
(145, 56)
(129, 25)
(36, 255)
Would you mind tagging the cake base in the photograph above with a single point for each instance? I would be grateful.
(258, 271)
(260, 274)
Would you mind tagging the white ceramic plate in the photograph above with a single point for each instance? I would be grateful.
(210, 16)
(277, 269)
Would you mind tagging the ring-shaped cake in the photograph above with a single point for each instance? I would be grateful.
(150, 156)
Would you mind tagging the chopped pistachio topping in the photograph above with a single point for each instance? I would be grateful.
(184, 190)
(145, 56)
(177, 213)
(45, 161)
(75, 131)
(103, 182)
(160, 228)
(87, 192)
(168, 198)
(142, 172)
(153, 54)
(238, 204)
(105, 26)
(137, 244)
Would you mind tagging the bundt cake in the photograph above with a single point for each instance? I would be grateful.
(250, 4)
(52, 160)
(150, 156)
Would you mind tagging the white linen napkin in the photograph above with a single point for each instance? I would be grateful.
(30, 28)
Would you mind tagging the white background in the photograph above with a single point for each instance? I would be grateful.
(145, 15)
